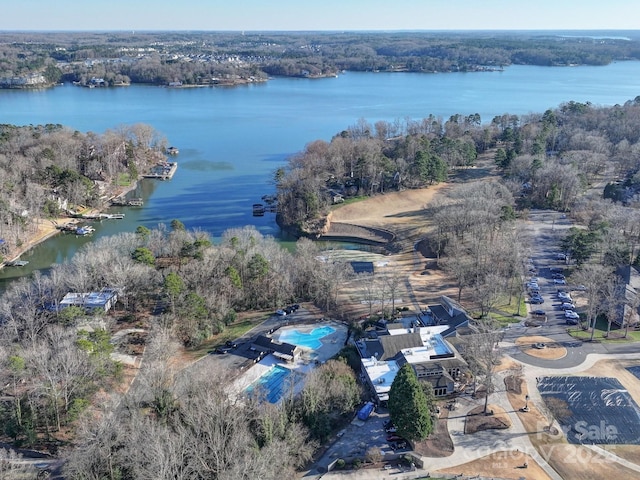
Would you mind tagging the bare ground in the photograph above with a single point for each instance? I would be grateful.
(439, 443)
(477, 420)
(506, 464)
(551, 350)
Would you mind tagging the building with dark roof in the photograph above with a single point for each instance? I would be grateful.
(448, 312)
(282, 350)
(628, 312)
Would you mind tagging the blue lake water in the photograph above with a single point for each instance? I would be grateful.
(310, 339)
(231, 140)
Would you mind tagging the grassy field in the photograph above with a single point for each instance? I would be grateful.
(616, 335)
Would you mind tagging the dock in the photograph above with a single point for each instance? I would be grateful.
(17, 263)
(124, 202)
(163, 171)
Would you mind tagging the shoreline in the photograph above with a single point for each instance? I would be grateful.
(48, 227)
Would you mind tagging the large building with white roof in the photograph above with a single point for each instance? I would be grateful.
(431, 356)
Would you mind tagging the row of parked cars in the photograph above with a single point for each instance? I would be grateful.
(287, 310)
(396, 442)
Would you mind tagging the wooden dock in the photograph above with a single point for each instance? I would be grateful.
(123, 202)
(163, 171)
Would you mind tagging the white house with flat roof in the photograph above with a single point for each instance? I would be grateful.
(103, 300)
(433, 358)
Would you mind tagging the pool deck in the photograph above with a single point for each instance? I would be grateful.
(331, 345)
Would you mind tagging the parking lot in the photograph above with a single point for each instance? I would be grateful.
(549, 296)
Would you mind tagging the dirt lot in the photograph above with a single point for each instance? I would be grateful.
(551, 350)
(507, 464)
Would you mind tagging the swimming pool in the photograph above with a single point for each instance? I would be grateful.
(310, 340)
(272, 384)
(439, 346)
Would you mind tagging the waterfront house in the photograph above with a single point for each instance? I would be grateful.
(91, 301)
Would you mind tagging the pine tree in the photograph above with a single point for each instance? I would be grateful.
(408, 406)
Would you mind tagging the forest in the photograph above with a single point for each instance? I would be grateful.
(546, 159)
(63, 392)
(50, 170)
(227, 58)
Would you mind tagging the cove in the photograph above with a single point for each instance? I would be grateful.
(231, 140)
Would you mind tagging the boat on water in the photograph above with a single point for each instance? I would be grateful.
(17, 263)
(258, 210)
(82, 231)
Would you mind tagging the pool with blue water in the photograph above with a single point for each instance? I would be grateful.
(272, 384)
(439, 346)
(310, 339)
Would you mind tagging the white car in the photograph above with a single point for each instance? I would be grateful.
(565, 297)
(568, 306)
(532, 285)
(571, 315)
(559, 281)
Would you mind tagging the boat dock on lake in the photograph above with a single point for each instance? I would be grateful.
(124, 202)
(163, 171)
(16, 263)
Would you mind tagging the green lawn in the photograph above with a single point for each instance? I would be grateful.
(124, 180)
(505, 312)
(617, 334)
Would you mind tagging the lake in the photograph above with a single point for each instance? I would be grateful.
(231, 140)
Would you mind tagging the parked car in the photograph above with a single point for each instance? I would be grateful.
(538, 313)
(394, 438)
(398, 445)
(566, 298)
(561, 256)
(281, 313)
(571, 314)
(568, 306)
(559, 281)
(558, 275)
(391, 429)
(572, 321)
(536, 300)
(533, 285)
(231, 344)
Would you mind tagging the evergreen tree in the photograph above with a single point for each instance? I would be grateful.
(408, 405)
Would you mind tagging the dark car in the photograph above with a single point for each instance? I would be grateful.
(394, 438)
(221, 350)
(538, 313)
(572, 321)
(400, 444)
(230, 344)
(536, 300)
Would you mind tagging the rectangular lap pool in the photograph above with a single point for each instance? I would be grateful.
(272, 384)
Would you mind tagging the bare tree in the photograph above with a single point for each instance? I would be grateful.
(483, 354)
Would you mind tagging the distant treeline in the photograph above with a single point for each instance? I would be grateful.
(547, 159)
(117, 58)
